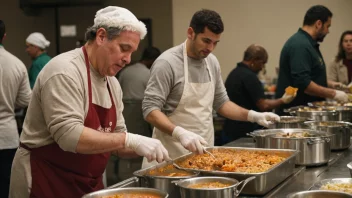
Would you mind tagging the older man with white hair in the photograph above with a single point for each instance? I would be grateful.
(36, 45)
(74, 120)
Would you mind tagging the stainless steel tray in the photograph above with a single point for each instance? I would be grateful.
(318, 185)
(163, 183)
(130, 182)
(264, 181)
(143, 172)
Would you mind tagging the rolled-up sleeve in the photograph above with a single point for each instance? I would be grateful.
(300, 61)
(158, 88)
(63, 109)
(220, 95)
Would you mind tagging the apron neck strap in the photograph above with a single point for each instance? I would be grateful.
(88, 74)
(185, 63)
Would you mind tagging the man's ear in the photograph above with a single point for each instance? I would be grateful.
(190, 33)
(318, 24)
(100, 36)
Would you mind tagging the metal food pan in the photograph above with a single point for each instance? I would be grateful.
(264, 181)
(163, 183)
(144, 172)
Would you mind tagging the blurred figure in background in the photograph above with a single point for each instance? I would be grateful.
(302, 64)
(35, 47)
(245, 89)
(340, 69)
(133, 80)
(15, 93)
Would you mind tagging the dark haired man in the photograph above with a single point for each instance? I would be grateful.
(185, 86)
(15, 93)
(74, 120)
(302, 64)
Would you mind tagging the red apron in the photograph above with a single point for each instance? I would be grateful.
(58, 173)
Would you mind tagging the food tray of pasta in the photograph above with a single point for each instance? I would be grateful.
(269, 166)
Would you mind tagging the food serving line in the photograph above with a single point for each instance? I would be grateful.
(292, 156)
(304, 177)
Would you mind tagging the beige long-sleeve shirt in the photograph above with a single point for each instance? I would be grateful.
(337, 72)
(59, 104)
(15, 92)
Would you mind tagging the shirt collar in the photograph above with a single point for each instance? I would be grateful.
(241, 64)
(309, 37)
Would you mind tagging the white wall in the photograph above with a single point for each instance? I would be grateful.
(266, 22)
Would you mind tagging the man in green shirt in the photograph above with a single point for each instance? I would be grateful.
(35, 47)
(302, 64)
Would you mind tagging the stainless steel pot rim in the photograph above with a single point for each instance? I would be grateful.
(299, 119)
(319, 184)
(271, 132)
(172, 178)
(219, 179)
(338, 122)
(124, 190)
(327, 192)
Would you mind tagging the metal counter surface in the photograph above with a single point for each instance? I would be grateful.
(304, 177)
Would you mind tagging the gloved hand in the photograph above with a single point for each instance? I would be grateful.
(341, 96)
(189, 140)
(288, 98)
(150, 148)
(262, 119)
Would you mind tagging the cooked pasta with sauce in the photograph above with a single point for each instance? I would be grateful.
(215, 184)
(233, 161)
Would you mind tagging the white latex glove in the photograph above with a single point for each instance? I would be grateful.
(288, 98)
(189, 140)
(262, 119)
(341, 96)
(150, 148)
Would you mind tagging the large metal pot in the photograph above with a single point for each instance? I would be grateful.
(344, 109)
(289, 122)
(313, 150)
(229, 192)
(314, 113)
(341, 131)
(345, 113)
(319, 194)
(163, 183)
(116, 191)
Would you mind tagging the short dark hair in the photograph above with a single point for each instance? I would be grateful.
(341, 53)
(315, 13)
(255, 52)
(207, 18)
(2, 30)
(151, 53)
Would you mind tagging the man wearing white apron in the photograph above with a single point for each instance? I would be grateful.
(186, 85)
